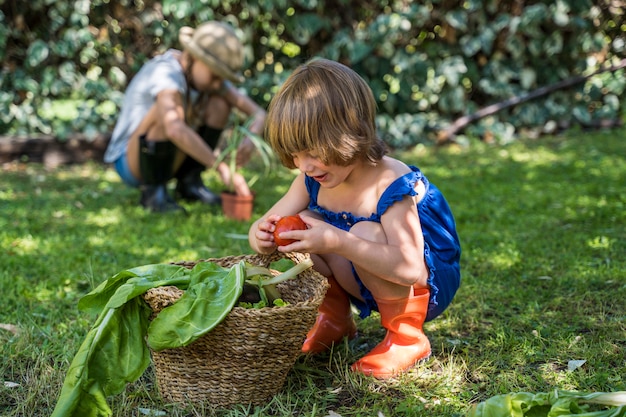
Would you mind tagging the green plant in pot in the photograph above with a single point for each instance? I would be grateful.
(236, 205)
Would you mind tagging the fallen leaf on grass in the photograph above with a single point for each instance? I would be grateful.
(9, 384)
(575, 364)
(10, 327)
(152, 413)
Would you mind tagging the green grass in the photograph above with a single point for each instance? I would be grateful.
(544, 280)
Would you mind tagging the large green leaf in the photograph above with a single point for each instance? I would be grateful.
(211, 295)
(114, 351)
(552, 404)
(113, 354)
(134, 282)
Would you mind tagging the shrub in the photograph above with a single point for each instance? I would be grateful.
(428, 63)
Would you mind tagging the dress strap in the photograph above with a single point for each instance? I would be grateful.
(397, 190)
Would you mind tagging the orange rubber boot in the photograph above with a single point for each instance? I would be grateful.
(334, 321)
(405, 343)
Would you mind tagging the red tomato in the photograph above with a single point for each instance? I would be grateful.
(285, 224)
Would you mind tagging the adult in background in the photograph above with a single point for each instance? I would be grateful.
(173, 113)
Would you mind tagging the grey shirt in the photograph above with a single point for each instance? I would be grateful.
(160, 73)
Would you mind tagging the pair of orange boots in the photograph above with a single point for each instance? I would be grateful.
(404, 345)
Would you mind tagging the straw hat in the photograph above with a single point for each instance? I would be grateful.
(215, 44)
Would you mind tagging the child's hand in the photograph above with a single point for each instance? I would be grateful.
(320, 237)
(264, 234)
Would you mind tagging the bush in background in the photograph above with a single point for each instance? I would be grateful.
(66, 63)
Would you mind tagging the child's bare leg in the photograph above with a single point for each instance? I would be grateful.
(334, 319)
(402, 312)
(380, 288)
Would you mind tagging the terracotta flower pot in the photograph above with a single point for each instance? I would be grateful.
(237, 207)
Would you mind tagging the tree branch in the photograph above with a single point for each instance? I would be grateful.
(449, 132)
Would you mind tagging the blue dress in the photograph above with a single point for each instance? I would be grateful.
(442, 250)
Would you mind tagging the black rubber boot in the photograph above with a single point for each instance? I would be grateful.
(156, 161)
(190, 185)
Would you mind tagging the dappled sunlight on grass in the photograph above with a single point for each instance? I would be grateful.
(105, 217)
(542, 231)
(43, 292)
(601, 242)
(23, 245)
(506, 258)
(536, 158)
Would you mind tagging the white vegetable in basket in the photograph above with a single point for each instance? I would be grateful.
(261, 278)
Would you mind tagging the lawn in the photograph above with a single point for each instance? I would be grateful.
(542, 303)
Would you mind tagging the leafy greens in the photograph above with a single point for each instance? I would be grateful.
(552, 404)
(114, 351)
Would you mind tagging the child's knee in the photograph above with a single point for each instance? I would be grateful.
(321, 265)
(371, 231)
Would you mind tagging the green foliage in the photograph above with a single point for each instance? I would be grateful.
(212, 293)
(239, 132)
(553, 404)
(115, 353)
(427, 62)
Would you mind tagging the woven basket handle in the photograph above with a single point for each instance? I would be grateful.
(297, 257)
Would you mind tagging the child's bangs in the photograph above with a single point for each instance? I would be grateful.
(289, 136)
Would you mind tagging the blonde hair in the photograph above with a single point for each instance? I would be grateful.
(325, 108)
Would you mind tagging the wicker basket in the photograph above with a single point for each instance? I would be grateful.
(246, 358)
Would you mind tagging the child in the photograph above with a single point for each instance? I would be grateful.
(377, 228)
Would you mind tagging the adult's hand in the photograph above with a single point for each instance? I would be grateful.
(241, 186)
(234, 181)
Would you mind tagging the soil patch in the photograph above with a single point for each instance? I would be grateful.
(52, 152)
